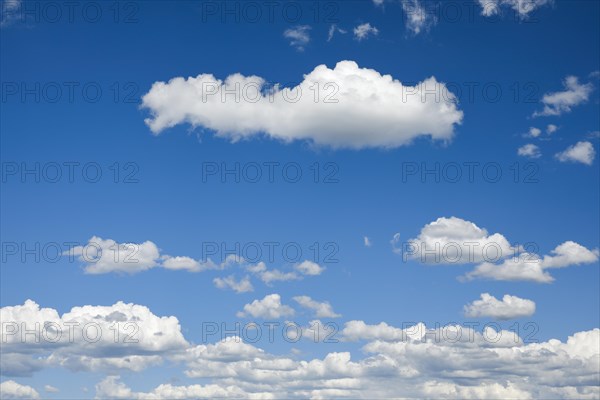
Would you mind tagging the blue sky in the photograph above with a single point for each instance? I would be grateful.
(504, 71)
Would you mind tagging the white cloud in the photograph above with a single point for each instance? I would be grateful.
(581, 152)
(378, 2)
(418, 19)
(102, 256)
(309, 268)
(269, 307)
(531, 267)
(551, 128)
(558, 103)
(508, 308)
(456, 241)
(333, 29)
(529, 150)
(242, 286)
(363, 31)
(534, 132)
(126, 336)
(112, 388)
(521, 8)
(299, 36)
(321, 309)
(12, 390)
(415, 362)
(268, 276)
(367, 241)
(357, 108)
(51, 389)
(487, 364)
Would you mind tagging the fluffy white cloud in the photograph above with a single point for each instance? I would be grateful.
(112, 388)
(363, 31)
(465, 364)
(12, 390)
(455, 241)
(269, 307)
(309, 268)
(102, 256)
(581, 152)
(508, 308)
(50, 389)
(551, 128)
(126, 336)
(321, 309)
(268, 276)
(298, 36)
(521, 8)
(415, 362)
(242, 286)
(534, 132)
(355, 108)
(418, 19)
(557, 103)
(529, 150)
(531, 267)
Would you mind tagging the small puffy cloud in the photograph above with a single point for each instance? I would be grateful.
(521, 8)
(551, 128)
(363, 31)
(534, 132)
(104, 256)
(531, 267)
(333, 29)
(367, 241)
(557, 103)
(269, 307)
(321, 309)
(358, 331)
(418, 19)
(456, 241)
(529, 150)
(309, 268)
(268, 276)
(508, 308)
(359, 108)
(581, 152)
(242, 286)
(50, 389)
(298, 36)
(10, 390)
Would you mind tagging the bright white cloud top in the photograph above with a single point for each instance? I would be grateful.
(343, 107)
(455, 241)
(509, 307)
(581, 152)
(529, 150)
(558, 103)
(270, 307)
